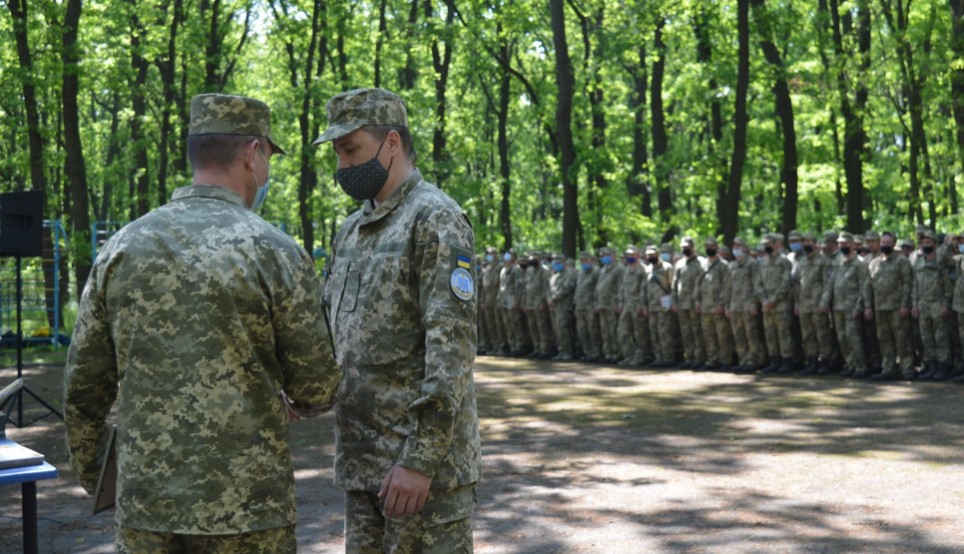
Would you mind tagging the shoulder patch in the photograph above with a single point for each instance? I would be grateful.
(462, 283)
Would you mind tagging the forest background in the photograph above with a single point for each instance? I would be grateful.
(625, 121)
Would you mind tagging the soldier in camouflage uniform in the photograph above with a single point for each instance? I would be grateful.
(562, 291)
(628, 305)
(586, 326)
(537, 313)
(712, 297)
(482, 326)
(810, 274)
(891, 287)
(511, 294)
(844, 297)
(958, 306)
(776, 298)
(212, 320)
(871, 345)
(659, 302)
(931, 307)
(606, 302)
(686, 275)
(489, 297)
(403, 307)
(744, 309)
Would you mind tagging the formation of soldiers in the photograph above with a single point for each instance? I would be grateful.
(858, 305)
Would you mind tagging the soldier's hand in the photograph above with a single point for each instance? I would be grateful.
(868, 314)
(856, 314)
(403, 491)
(754, 311)
(767, 305)
(645, 313)
(796, 311)
(698, 309)
(674, 308)
(945, 312)
(914, 313)
(904, 313)
(824, 311)
(719, 310)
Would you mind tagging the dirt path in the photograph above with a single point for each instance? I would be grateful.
(584, 458)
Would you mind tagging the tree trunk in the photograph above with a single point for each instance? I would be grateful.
(957, 91)
(379, 41)
(636, 182)
(505, 213)
(704, 55)
(731, 214)
(38, 178)
(409, 73)
(566, 83)
(166, 67)
(441, 60)
(658, 123)
(139, 201)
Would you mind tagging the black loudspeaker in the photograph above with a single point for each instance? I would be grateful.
(21, 224)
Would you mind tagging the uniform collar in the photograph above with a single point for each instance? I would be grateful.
(208, 191)
(372, 214)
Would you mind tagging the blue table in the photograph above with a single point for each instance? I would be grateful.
(28, 476)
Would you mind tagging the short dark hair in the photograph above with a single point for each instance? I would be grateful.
(216, 150)
(381, 131)
(889, 234)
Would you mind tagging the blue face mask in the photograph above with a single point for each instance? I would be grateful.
(606, 260)
(796, 247)
(262, 191)
(558, 266)
(507, 257)
(738, 252)
(960, 248)
(489, 258)
(586, 267)
(666, 256)
(630, 260)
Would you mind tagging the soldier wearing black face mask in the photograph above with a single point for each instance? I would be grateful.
(687, 273)
(810, 273)
(776, 297)
(931, 307)
(844, 296)
(891, 285)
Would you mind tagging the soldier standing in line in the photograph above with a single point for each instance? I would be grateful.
(659, 295)
(712, 297)
(511, 279)
(743, 309)
(562, 291)
(811, 272)
(537, 312)
(871, 344)
(891, 284)
(490, 303)
(644, 343)
(628, 306)
(958, 306)
(586, 329)
(606, 302)
(482, 325)
(844, 297)
(776, 298)
(688, 272)
(931, 307)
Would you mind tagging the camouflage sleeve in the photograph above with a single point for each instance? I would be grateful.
(906, 284)
(867, 289)
(915, 289)
(784, 290)
(827, 297)
(450, 339)
(90, 382)
(947, 284)
(863, 281)
(303, 344)
(727, 286)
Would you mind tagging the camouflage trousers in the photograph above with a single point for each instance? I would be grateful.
(690, 335)
(894, 336)
(716, 339)
(848, 335)
(933, 333)
(280, 540)
(493, 320)
(482, 330)
(815, 332)
(444, 526)
(588, 331)
(540, 329)
(562, 324)
(871, 344)
(746, 339)
(644, 346)
(777, 329)
(960, 334)
(608, 323)
(514, 324)
(626, 334)
(661, 335)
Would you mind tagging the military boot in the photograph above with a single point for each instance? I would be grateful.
(786, 366)
(811, 368)
(773, 367)
(930, 368)
(823, 367)
(942, 373)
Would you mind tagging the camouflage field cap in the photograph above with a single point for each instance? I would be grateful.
(225, 114)
(928, 234)
(651, 249)
(352, 110)
(687, 241)
(794, 235)
(845, 237)
(666, 247)
(809, 236)
(709, 241)
(830, 236)
(905, 243)
(739, 240)
(556, 256)
(871, 235)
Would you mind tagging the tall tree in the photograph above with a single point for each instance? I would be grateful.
(38, 175)
(730, 222)
(657, 120)
(167, 64)
(75, 166)
(713, 134)
(957, 80)
(441, 61)
(139, 179)
(565, 80)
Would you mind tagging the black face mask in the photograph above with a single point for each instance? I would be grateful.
(928, 249)
(365, 181)
(711, 252)
(845, 250)
(768, 249)
(687, 252)
(653, 260)
(887, 249)
(808, 248)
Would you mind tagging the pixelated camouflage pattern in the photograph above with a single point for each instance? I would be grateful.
(406, 342)
(687, 274)
(633, 277)
(608, 284)
(810, 275)
(713, 288)
(932, 291)
(958, 294)
(224, 114)
(586, 288)
(280, 540)
(891, 283)
(562, 291)
(205, 313)
(353, 109)
(489, 303)
(744, 284)
(776, 282)
(846, 289)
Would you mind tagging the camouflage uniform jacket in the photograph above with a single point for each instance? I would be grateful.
(490, 285)
(958, 300)
(776, 283)
(511, 287)
(607, 286)
(403, 315)
(633, 276)
(744, 284)
(659, 283)
(205, 313)
(847, 287)
(932, 285)
(586, 288)
(562, 288)
(891, 283)
(688, 273)
(810, 275)
(536, 287)
(713, 288)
